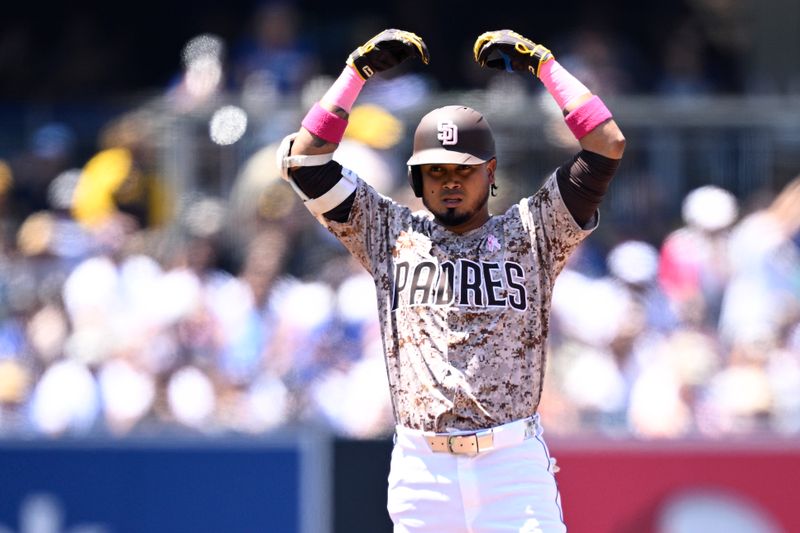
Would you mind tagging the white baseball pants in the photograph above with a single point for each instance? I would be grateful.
(509, 488)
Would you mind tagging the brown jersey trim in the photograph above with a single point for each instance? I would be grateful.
(583, 181)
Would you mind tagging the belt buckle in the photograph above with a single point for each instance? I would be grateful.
(475, 443)
(450, 444)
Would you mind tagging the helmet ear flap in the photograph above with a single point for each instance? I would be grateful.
(415, 180)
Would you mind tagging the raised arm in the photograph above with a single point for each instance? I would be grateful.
(584, 180)
(585, 114)
(305, 157)
(324, 125)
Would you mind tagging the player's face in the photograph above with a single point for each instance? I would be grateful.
(458, 195)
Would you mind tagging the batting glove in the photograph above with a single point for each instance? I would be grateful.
(508, 50)
(386, 50)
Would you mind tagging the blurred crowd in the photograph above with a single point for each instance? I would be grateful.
(698, 336)
(114, 325)
(169, 282)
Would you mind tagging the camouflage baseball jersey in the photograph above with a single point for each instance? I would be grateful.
(464, 318)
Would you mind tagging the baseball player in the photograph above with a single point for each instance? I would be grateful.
(463, 294)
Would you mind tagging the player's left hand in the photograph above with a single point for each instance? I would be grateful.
(386, 50)
(510, 51)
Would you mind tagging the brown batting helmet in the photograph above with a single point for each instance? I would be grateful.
(453, 134)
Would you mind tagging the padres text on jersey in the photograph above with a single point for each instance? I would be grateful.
(469, 283)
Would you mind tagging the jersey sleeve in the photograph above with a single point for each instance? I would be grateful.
(552, 229)
(373, 223)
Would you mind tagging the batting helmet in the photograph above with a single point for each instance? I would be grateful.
(451, 134)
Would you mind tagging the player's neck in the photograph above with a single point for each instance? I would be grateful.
(475, 222)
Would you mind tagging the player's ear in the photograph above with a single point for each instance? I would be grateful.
(491, 166)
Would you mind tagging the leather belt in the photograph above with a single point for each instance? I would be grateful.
(476, 442)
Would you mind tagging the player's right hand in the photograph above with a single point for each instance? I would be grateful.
(386, 50)
(510, 51)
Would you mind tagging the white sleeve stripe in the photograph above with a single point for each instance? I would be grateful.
(306, 160)
(335, 196)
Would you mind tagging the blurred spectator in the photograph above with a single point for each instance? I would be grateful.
(610, 331)
(274, 52)
(684, 71)
(664, 398)
(202, 77)
(65, 400)
(739, 398)
(635, 265)
(353, 395)
(761, 298)
(122, 176)
(693, 269)
(50, 151)
(607, 64)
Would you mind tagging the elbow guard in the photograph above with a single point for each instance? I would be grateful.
(333, 196)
